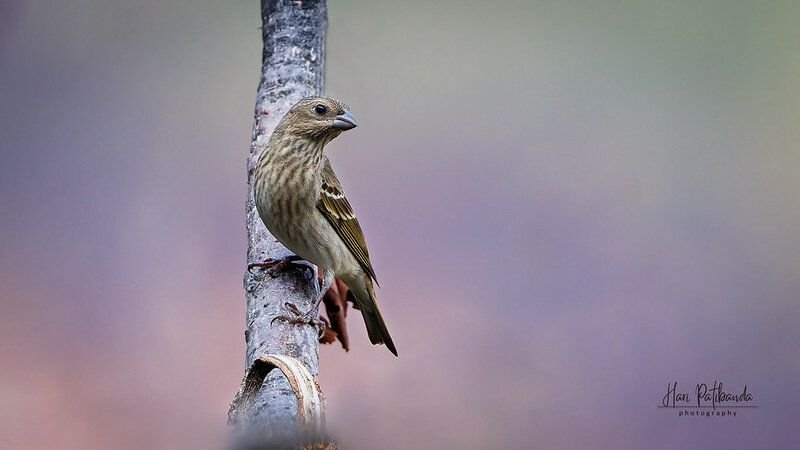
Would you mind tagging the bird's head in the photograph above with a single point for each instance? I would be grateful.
(318, 118)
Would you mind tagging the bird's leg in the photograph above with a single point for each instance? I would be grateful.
(324, 284)
(275, 266)
(312, 315)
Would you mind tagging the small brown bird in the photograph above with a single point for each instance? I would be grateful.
(303, 205)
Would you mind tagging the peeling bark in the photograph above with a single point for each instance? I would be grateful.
(293, 67)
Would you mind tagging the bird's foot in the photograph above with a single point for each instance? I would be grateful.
(300, 318)
(275, 267)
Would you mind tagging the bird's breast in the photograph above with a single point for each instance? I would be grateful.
(286, 191)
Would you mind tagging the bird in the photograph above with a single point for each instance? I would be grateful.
(302, 203)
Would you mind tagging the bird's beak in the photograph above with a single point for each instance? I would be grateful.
(344, 121)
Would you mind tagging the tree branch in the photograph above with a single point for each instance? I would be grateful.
(293, 67)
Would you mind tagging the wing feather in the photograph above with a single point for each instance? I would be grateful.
(337, 210)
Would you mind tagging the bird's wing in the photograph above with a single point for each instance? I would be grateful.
(334, 206)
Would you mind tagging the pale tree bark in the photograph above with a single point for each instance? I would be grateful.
(293, 67)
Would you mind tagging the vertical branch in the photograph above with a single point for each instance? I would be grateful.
(293, 67)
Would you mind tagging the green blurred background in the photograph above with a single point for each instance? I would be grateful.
(569, 205)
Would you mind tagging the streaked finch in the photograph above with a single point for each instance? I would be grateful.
(303, 205)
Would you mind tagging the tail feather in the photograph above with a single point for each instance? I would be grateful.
(367, 303)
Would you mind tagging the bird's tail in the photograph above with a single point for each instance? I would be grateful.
(361, 287)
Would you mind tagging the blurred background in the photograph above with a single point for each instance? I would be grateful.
(569, 206)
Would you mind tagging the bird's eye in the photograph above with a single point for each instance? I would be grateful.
(320, 109)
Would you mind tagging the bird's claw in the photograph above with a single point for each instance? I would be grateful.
(317, 323)
(299, 318)
(275, 267)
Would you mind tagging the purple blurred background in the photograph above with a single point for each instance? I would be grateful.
(569, 206)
